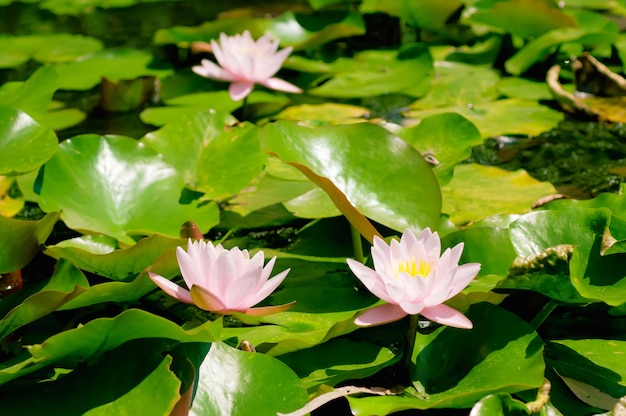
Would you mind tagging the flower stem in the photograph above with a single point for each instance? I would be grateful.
(357, 244)
(410, 344)
(543, 314)
(244, 109)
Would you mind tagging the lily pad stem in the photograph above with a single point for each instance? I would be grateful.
(543, 314)
(357, 244)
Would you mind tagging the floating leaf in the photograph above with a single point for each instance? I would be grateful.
(497, 405)
(525, 18)
(457, 367)
(101, 258)
(32, 96)
(373, 73)
(113, 64)
(364, 169)
(25, 145)
(232, 382)
(503, 117)
(49, 48)
(20, 240)
(104, 334)
(214, 154)
(469, 195)
(448, 137)
(120, 188)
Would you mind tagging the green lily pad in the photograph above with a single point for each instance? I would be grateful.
(456, 83)
(120, 188)
(457, 367)
(469, 195)
(526, 89)
(25, 145)
(337, 360)
(113, 64)
(214, 154)
(502, 117)
(313, 204)
(20, 240)
(596, 362)
(231, 381)
(66, 283)
(297, 30)
(525, 18)
(323, 114)
(32, 96)
(102, 258)
(448, 137)
(373, 73)
(10, 204)
(104, 334)
(499, 404)
(364, 166)
(53, 47)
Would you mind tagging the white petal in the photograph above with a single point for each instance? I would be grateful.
(370, 279)
(188, 268)
(270, 64)
(210, 70)
(269, 287)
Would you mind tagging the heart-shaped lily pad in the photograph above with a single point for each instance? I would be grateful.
(118, 187)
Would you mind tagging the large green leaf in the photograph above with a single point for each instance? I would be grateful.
(119, 188)
(25, 144)
(215, 155)
(457, 367)
(20, 240)
(503, 116)
(48, 48)
(457, 83)
(234, 382)
(102, 258)
(65, 284)
(374, 172)
(469, 195)
(449, 137)
(596, 362)
(525, 18)
(373, 73)
(32, 96)
(113, 64)
(103, 334)
(337, 360)
(499, 404)
(298, 30)
(144, 384)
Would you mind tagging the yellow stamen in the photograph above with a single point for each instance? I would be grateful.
(410, 266)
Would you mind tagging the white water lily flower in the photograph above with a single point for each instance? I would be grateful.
(244, 62)
(223, 281)
(412, 277)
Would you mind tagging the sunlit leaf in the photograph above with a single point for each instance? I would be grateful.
(469, 195)
(20, 240)
(119, 188)
(25, 144)
(104, 334)
(364, 169)
(48, 48)
(232, 382)
(215, 155)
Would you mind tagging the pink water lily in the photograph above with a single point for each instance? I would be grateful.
(412, 277)
(223, 281)
(244, 62)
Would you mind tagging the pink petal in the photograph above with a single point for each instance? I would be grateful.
(271, 64)
(189, 268)
(281, 85)
(206, 300)
(268, 310)
(171, 289)
(210, 70)
(269, 287)
(445, 315)
(370, 279)
(380, 315)
(224, 276)
(240, 90)
(463, 277)
(240, 293)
